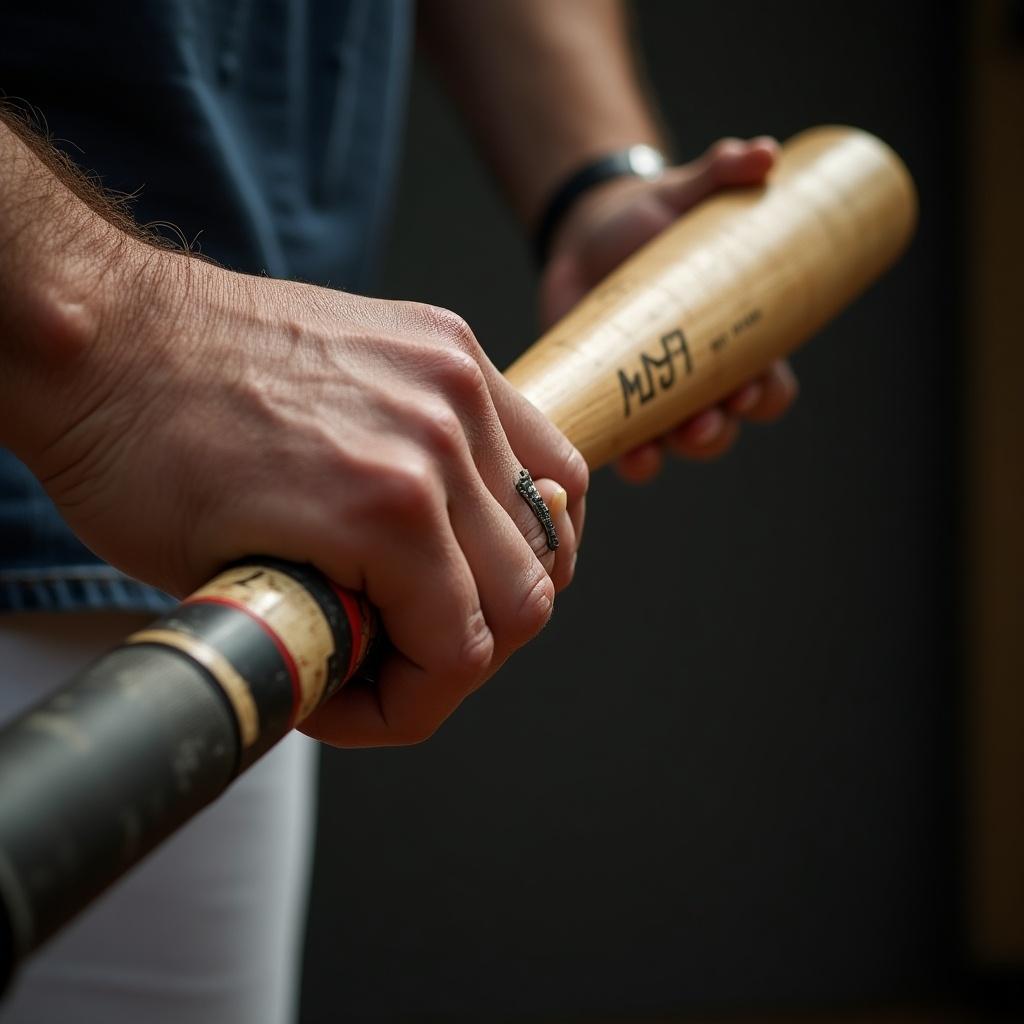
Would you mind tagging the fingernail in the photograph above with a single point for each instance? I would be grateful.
(789, 378)
(748, 398)
(707, 427)
(559, 502)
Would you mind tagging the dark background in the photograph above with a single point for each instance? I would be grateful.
(725, 777)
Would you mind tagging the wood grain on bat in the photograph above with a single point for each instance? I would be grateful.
(743, 279)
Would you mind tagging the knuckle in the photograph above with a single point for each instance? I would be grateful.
(725, 146)
(442, 429)
(720, 445)
(460, 377)
(466, 657)
(476, 650)
(452, 328)
(537, 606)
(405, 489)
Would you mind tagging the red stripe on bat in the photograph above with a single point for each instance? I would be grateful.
(356, 615)
(286, 655)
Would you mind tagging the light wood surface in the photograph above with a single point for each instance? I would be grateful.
(745, 278)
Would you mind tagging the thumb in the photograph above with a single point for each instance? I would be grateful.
(729, 162)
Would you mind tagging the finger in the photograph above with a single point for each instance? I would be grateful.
(504, 542)
(556, 499)
(504, 430)
(541, 448)
(441, 644)
(406, 703)
(706, 436)
(641, 464)
(730, 162)
(501, 473)
(744, 400)
(779, 389)
(510, 560)
(502, 507)
(738, 162)
(493, 578)
(502, 539)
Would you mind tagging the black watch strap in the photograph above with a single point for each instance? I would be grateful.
(637, 161)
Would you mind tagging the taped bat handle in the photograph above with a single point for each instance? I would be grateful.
(100, 773)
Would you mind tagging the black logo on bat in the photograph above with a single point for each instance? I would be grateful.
(656, 373)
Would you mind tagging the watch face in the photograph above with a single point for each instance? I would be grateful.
(646, 161)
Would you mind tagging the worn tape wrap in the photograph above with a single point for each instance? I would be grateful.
(97, 775)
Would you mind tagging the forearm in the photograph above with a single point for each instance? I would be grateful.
(544, 84)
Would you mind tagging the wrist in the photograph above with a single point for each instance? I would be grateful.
(72, 326)
(590, 181)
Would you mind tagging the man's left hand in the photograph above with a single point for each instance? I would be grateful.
(608, 224)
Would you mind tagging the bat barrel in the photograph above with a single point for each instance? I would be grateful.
(97, 775)
(741, 280)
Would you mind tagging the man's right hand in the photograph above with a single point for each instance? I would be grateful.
(199, 416)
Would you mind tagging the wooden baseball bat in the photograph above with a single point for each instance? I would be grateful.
(97, 775)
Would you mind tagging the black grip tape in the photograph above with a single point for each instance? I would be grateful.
(247, 647)
(96, 776)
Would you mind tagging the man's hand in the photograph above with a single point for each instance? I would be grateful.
(199, 416)
(182, 416)
(614, 220)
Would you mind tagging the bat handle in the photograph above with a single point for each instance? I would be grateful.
(100, 773)
(278, 639)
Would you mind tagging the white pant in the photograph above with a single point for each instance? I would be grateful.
(209, 928)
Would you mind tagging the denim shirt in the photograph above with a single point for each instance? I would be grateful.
(265, 129)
